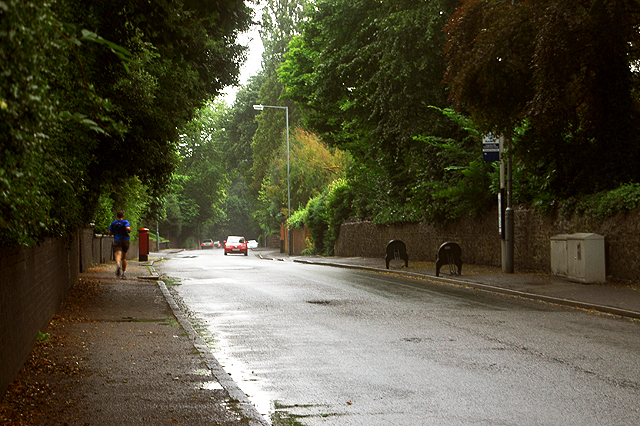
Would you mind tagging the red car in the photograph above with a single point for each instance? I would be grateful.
(235, 244)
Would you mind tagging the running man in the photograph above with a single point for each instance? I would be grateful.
(120, 229)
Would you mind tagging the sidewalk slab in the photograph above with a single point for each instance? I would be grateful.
(119, 355)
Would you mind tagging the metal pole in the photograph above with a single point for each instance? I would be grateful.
(508, 215)
(157, 236)
(260, 108)
(503, 201)
(288, 187)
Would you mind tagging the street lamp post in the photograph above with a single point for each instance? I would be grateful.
(260, 108)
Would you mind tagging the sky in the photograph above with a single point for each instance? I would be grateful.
(253, 64)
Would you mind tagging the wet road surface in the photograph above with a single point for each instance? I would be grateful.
(314, 345)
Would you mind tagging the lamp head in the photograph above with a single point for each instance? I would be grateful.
(258, 107)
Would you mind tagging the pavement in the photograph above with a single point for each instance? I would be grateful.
(142, 362)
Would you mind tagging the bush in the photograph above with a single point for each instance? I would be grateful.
(604, 204)
(317, 221)
(298, 219)
(323, 216)
(339, 206)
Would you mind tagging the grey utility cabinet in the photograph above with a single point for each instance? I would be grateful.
(579, 257)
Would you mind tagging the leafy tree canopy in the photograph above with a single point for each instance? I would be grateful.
(201, 180)
(75, 116)
(365, 74)
(312, 168)
(566, 69)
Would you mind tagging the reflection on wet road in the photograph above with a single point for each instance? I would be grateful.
(314, 345)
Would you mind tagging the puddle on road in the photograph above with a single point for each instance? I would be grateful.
(277, 413)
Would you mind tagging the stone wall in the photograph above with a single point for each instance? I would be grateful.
(273, 241)
(481, 245)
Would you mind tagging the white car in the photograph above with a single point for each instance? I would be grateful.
(252, 244)
(206, 244)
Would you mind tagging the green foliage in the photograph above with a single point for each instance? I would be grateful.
(454, 182)
(298, 218)
(32, 177)
(323, 216)
(339, 207)
(317, 221)
(237, 208)
(280, 19)
(241, 128)
(130, 196)
(367, 77)
(201, 181)
(93, 95)
(582, 111)
(270, 134)
(605, 204)
(462, 185)
(43, 337)
(365, 74)
(312, 168)
(190, 242)
(153, 237)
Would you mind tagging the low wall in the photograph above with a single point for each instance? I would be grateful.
(103, 249)
(273, 241)
(299, 238)
(33, 284)
(86, 248)
(481, 245)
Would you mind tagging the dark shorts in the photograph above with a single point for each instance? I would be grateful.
(122, 246)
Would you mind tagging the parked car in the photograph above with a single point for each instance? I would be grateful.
(252, 244)
(217, 244)
(206, 244)
(235, 244)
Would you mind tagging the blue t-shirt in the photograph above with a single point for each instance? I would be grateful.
(119, 229)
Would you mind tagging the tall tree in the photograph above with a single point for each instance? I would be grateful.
(184, 52)
(75, 116)
(566, 69)
(242, 126)
(201, 181)
(313, 168)
(280, 22)
(365, 74)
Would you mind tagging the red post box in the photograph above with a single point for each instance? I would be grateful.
(143, 238)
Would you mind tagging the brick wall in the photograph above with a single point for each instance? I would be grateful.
(299, 238)
(86, 248)
(33, 284)
(478, 238)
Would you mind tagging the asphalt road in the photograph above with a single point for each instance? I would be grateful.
(314, 345)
